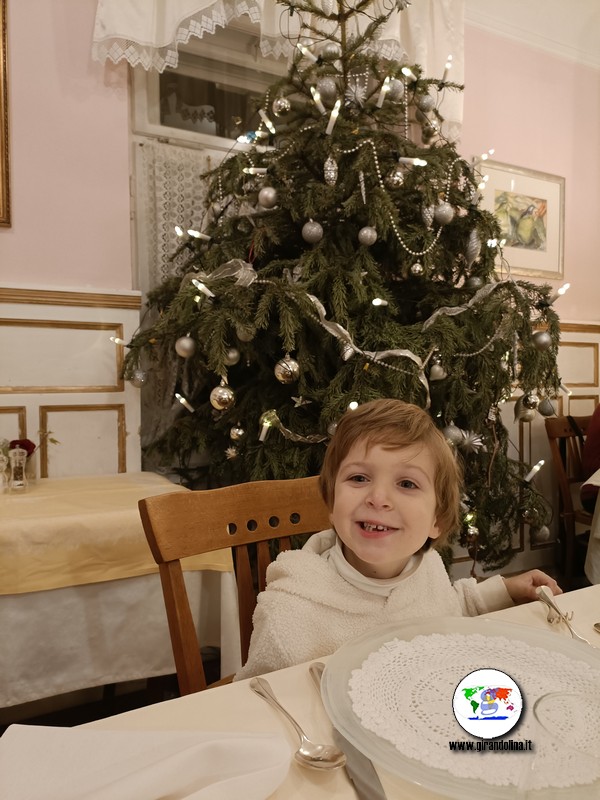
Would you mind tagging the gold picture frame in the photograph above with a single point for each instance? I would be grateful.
(530, 208)
(4, 161)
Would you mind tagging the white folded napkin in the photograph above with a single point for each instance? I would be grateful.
(45, 763)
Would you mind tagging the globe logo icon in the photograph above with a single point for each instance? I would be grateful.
(487, 703)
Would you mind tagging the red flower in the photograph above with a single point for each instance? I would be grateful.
(26, 444)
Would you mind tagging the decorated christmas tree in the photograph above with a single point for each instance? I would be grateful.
(343, 257)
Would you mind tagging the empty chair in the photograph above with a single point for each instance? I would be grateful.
(257, 520)
(566, 438)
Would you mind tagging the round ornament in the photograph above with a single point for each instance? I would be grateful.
(232, 356)
(444, 213)
(267, 197)
(539, 535)
(222, 397)
(437, 373)
(546, 407)
(425, 103)
(453, 434)
(395, 178)
(327, 88)
(287, 369)
(542, 340)
(139, 378)
(531, 401)
(237, 433)
(417, 268)
(396, 90)
(312, 232)
(367, 235)
(331, 51)
(473, 283)
(281, 106)
(245, 333)
(185, 346)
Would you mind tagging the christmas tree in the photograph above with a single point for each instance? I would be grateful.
(343, 257)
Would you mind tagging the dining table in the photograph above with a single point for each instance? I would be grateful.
(235, 707)
(81, 603)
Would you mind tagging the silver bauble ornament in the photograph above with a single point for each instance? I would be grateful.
(444, 213)
(267, 197)
(331, 51)
(427, 213)
(437, 373)
(327, 88)
(523, 414)
(232, 356)
(312, 232)
(395, 178)
(453, 434)
(530, 401)
(245, 333)
(331, 428)
(417, 268)
(396, 91)
(185, 346)
(542, 340)
(539, 535)
(287, 370)
(473, 247)
(546, 408)
(237, 433)
(367, 236)
(330, 171)
(281, 106)
(139, 378)
(425, 103)
(473, 283)
(222, 397)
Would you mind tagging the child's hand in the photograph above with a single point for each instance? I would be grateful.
(522, 588)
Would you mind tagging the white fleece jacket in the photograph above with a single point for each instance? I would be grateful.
(309, 609)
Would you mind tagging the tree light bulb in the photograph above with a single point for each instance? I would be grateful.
(198, 235)
(262, 114)
(317, 100)
(116, 340)
(255, 170)
(558, 293)
(184, 402)
(447, 69)
(534, 470)
(307, 53)
(408, 73)
(385, 87)
(333, 117)
(352, 406)
(378, 301)
(178, 230)
(202, 288)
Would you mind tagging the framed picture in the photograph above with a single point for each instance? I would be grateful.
(530, 207)
(4, 184)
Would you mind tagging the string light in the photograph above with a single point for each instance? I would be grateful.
(202, 288)
(179, 231)
(447, 69)
(317, 100)
(559, 293)
(534, 470)
(416, 162)
(485, 156)
(408, 73)
(307, 53)
(385, 87)
(266, 120)
(352, 406)
(197, 235)
(333, 117)
(184, 402)
(377, 301)
(116, 340)
(255, 170)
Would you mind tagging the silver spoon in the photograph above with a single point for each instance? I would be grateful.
(309, 754)
(547, 600)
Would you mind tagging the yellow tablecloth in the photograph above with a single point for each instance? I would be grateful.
(73, 531)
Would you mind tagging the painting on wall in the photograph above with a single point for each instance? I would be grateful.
(4, 183)
(529, 207)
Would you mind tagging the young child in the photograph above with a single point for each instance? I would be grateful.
(392, 485)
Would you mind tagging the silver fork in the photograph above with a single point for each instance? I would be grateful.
(547, 600)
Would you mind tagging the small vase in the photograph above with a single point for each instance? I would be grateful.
(31, 468)
(17, 480)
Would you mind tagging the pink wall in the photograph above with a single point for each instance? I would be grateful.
(69, 154)
(542, 112)
(69, 149)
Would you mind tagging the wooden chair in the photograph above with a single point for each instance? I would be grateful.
(566, 445)
(255, 519)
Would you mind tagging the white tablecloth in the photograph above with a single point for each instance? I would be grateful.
(235, 707)
(68, 533)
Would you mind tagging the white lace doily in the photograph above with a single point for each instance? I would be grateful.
(403, 693)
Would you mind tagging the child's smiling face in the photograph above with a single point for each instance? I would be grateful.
(384, 507)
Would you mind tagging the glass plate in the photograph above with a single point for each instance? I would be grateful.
(351, 656)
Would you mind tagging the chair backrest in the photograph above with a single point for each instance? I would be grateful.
(255, 519)
(566, 446)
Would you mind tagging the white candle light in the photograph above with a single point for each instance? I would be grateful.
(307, 53)
(184, 402)
(333, 117)
(198, 235)
(262, 114)
(416, 162)
(117, 340)
(408, 73)
(202, 288)
(534, 470)
(558, 293)
(255, 170)
(178, 230)
(447, 69)
(385, 87)
(317, 99)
